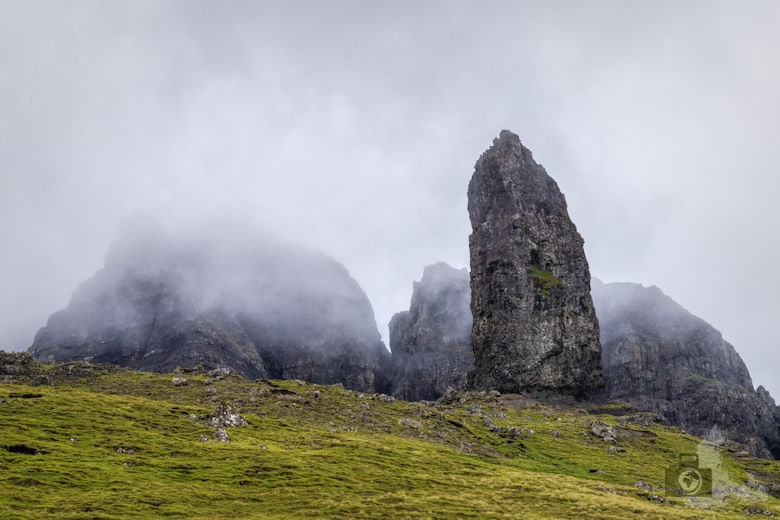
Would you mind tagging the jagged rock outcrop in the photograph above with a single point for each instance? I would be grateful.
(661, 358)
(776, 450)
(221, 299)
(534, 324)
(431, 342)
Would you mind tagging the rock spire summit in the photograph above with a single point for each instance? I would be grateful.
(534, 328)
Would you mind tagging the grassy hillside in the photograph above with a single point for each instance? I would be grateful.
(107, 443)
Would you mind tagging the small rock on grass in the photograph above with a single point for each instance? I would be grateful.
(604, 431)
(410, 423)
(221, 435)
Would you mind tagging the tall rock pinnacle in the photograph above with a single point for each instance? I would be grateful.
(534, 328)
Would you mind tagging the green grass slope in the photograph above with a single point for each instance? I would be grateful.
(124, 444)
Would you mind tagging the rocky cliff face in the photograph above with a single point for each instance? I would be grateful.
(661, 358)
(534, 323)
(250, 304)
(775, 449)
(431, 342)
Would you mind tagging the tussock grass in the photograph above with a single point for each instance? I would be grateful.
(130, 445)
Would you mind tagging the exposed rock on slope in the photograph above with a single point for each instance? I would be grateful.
(661, 358)
(258, 307)
(430, 343)
(534, 323)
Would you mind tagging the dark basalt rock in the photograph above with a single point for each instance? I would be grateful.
(775, 448)
(22, 368)
(259, 308)
(661, 358)
(534, 324)
(430, 343)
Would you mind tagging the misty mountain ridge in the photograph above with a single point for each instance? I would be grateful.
(244, 302)
(661, 358)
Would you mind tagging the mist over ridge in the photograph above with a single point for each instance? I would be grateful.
(223, 295)
(227, 263)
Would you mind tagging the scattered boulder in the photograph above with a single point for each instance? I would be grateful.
(604, 431)
(15, 364)
(21, 368)
(224, 417)
(512, 431)
(410, 423)
(535, 328)
(644, 486)
(450, 396)
(657, 498)
(755, 510)
(606, 489)
(642, 419)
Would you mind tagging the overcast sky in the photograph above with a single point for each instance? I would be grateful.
(354, 127)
